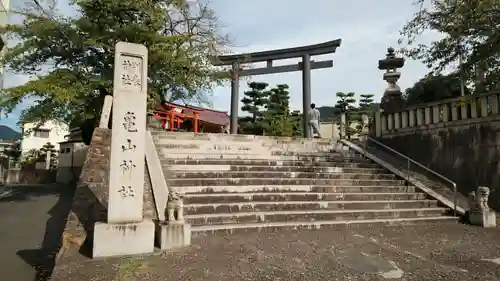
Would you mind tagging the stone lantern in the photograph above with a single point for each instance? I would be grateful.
(393, 97)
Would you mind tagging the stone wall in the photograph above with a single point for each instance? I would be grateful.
(459, 142)
(91, 194)
(29, 174)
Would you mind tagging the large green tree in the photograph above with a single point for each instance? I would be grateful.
(71, 58)
(470, 29)
(434, 88)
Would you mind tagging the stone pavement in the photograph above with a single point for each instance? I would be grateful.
(31, 220)
(445, 251)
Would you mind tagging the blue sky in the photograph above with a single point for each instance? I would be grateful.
(366, 31)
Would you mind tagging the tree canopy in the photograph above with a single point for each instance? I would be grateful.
(434, 88)
(72, 58)
(470, 29)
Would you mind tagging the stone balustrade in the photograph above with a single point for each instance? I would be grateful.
(423, 116)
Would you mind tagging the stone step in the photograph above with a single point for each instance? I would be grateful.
(282, 175)
(262, 206)
(280, 181)
(242, 148)
(285, 169)
(294, 188)
(276, 226)
(181, 154)
(199, 198)
(263, 162)
(164, 135)
(309, 215)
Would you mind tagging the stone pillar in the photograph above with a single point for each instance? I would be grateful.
(427, 115)
(235, 91)
(473, 109)
(454, 112)
(436, 114)
(378, 123)
(494, 104)
(383, 121)
(404, 117)
(397, 120)
(446, 113)
(125, 232)
(390, 122)
(484, 106)
(106, 111)
(343, 124)
(306, 93)
(463, 111)
(411, 118)
(47, 160)
(420, 117)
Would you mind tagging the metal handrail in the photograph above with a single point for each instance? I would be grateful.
(453, 184)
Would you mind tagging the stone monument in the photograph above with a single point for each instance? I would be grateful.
(125, 232)
(479, 211)
(393, 97)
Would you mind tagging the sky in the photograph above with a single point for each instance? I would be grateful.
(366, 29)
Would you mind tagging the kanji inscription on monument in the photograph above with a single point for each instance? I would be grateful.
(127, 164)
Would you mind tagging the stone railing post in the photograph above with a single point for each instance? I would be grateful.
(343, 125)
(404, 117)
(377, 122)
(494, 104)
(427, 115)
(106, 112)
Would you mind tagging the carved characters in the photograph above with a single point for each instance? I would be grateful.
(131, 72)
(129, 122)
(478, 200)
(126, 191)
(128, 146)
(175, 212)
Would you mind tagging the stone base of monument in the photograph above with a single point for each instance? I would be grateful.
(484, 219)
(120, 239)
(173, 235)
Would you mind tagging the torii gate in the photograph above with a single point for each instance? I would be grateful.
(269, 56)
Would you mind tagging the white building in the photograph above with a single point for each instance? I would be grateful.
(35, 138)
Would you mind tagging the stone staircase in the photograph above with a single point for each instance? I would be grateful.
(241, 182)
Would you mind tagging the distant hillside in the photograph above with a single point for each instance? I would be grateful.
(8, 134)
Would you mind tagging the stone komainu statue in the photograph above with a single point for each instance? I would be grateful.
(175, 212)
(478, 200)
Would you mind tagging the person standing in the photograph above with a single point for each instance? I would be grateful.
(314, 117)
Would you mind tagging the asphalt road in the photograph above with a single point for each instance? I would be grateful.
(31, 218)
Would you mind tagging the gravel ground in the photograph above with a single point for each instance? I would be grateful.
(446, 251)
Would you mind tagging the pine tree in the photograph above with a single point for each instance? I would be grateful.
(345, 104)
(278, 119)
(365, 108)
(365, 103)
(254, 101)
(296, 117)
